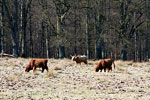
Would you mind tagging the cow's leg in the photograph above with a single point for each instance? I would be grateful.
(110, 69)
(76, 63)
(101, 70)
(107, 69)
(46, 68)
(34, 69)
(80, 63)
(42, 69)
(85, 62)
(104, 69)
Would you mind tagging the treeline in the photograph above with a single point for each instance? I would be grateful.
(119, 29)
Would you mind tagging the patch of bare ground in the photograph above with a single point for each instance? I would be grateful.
(67, 80)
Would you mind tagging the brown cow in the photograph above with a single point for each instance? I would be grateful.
(79, 59)
(105, 64)
(37, 63)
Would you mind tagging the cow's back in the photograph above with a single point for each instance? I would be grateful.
(40, 62)
(109, 62)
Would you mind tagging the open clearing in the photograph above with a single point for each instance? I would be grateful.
(69, 81)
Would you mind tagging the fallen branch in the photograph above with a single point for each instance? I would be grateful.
(7, 55)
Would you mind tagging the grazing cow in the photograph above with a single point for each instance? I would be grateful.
(105, 64)
(79, 59)
(37, 63)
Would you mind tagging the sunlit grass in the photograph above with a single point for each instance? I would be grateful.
(70, 81)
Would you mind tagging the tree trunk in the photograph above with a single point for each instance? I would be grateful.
(42, 38)
(47, 42)
(31, 40)
(87, 30)
(15, 33)
(147, 47)
(13, 25)
(140, 52)
(135, 41)
(123, 28)
(22, 35)
(62, 7)
(2, 28)
(61, 50)
(75, 31)
(96, 56)
(124, 55)
(98, 52)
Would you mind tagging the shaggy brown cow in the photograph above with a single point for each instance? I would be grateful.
(105, 64)
(80, 59)
(37, 63)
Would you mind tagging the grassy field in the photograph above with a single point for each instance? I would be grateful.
(69, 81)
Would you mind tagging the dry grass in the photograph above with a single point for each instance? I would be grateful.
(120, 68)
(57, 68)
(123, 63)
(69, 81)
(147, 63)
(139, 64)
(92, 62)
(131, 63)
(50, 74)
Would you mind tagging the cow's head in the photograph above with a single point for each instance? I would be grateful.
(75, 58)
(28, 68)
(96, 69)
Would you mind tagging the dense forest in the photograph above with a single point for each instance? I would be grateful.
(118, 29)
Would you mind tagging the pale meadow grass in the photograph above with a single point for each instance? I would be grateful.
(139, 64)
(147, 63)
(123, 63)
(51, 74)
(57, 68)
(67, 80)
